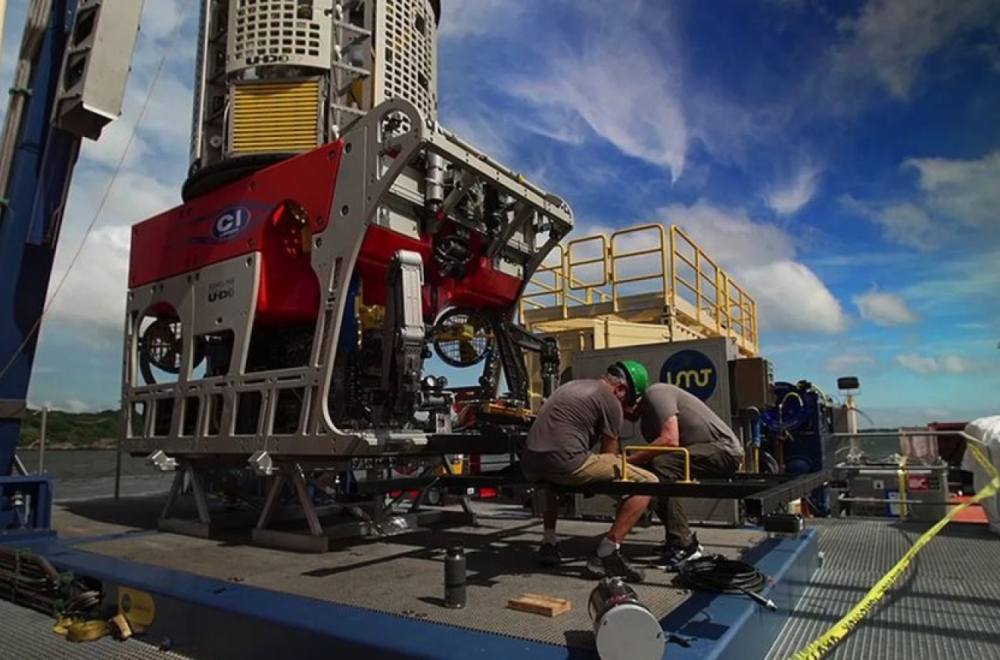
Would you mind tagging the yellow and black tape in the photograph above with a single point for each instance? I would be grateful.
(826, 642)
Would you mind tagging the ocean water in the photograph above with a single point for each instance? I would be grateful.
(90, 474)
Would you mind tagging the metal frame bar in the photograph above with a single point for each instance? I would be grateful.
(762, 494)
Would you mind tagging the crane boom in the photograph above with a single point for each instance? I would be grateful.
(63, 90)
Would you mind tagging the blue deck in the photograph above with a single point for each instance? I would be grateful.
(211, 618)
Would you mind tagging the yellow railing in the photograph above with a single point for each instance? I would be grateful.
(560, 289)
(633, 264)
(619, 270)
(635, 449)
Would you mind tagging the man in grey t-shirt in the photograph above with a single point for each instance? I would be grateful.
(672, 417)
(579, 417)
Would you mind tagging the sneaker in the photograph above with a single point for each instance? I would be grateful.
(614, 565)
(549, 555)
(673, 558)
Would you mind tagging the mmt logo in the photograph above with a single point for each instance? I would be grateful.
(231, 223)
(691, 371)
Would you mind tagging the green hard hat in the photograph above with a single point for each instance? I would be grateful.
(638, 378)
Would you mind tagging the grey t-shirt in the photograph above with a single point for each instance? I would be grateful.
(696, 422)
(571, 421)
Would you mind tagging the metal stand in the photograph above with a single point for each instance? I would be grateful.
(202, 527)
(314, 541)
(465, 501)
(371, 518)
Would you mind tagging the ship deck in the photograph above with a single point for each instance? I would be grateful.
(399, 578)
(948, 602)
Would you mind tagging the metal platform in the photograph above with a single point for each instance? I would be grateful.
(382, 597)
(946, 606)
(27, 635)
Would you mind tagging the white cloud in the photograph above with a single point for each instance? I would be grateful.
(888, 42)
(895, 417)
(90, 304)
(908, 224)
(885, 309)
(791, 195)
(92, 300)
(483, 134)
(961, 285)
(850, 362)
(965, 190)
(477, 17)
(790, 297)
(903, 223)
(952, 364)
(725, 233)
(69, 405)
(618, 82)
(77, 406)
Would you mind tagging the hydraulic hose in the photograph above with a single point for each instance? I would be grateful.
(727, 576)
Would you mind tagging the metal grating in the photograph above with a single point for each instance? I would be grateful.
(279, 32)
(275, 117)
(946, 606)
(27, 635)
(402, 575)
(406, 40)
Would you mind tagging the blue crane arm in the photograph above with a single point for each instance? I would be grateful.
(40, 170)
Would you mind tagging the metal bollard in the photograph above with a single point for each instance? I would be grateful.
(454, 577)
(624, 628)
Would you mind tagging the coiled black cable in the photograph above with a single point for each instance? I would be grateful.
(729, 576)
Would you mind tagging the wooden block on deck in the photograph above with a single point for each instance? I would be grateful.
(536, 604)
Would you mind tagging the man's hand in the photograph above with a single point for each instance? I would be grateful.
(669, 437)
(609, 445)
(640, 458)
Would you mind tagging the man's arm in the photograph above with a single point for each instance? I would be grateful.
(609, 445)
(669, 437)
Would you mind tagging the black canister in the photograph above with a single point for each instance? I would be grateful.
(454, 577)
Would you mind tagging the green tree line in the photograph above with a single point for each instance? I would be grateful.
(70, 430)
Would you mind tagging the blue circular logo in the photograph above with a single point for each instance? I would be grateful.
(691, 371)
(231, 223)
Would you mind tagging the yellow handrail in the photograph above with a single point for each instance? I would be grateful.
(713, 302)
(616, 256)
(641, 448)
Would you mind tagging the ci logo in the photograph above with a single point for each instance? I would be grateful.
(231, 223)
(691, 371)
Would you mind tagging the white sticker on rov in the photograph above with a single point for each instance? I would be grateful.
(219, 291)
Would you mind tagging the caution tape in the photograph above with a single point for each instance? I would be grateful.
(825, 643)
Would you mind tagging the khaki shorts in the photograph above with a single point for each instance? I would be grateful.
(597, 468)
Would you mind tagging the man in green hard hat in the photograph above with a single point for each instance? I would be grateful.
(582, 415)
(672, 417)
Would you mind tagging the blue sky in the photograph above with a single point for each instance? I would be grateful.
(840, 159)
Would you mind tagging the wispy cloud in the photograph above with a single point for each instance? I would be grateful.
(788, 197)
(950, 364)
(962, 285)
(888, 42)
(885, 309)
(850, 362)
(470, 18)
(639, 112)
(903, 223)
(967, 191)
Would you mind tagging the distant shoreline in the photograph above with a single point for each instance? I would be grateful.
(61, 446)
